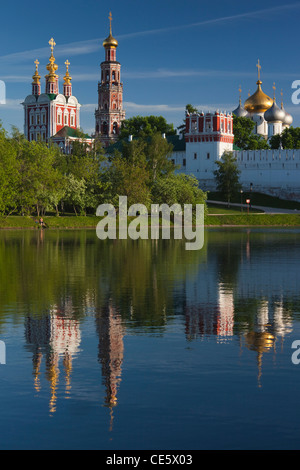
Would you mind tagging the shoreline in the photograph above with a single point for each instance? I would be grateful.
(212, 220)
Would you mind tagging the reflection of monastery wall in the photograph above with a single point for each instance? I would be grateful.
(211, 306)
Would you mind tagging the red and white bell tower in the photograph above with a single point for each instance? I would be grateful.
(110, 113)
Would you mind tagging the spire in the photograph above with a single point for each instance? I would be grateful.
(67, 81)
(240, 99)
(259, 82)
(52, 77)
(36, 84)
(274, 88)
(110, 21)
(110, 42)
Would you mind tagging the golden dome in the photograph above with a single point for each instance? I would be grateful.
(52, 66)
(67, 77)
(110, 41)
(259, 102)
(36, 77)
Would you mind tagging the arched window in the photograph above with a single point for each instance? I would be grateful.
(115, 128)
(105, 128)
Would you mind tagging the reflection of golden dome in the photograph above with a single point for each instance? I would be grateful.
(259, 102)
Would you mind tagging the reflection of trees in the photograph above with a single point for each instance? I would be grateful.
(36, 273)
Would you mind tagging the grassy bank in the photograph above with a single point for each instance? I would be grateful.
(223, 219)
(282, 220)
(68, 222)
(257, 199)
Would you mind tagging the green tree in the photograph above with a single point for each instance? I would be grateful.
(227, 175)
(190, 109)
(244, 138)
(143, 126)
(9, 174)
(128, 177)
(178, 189)
(289, 139)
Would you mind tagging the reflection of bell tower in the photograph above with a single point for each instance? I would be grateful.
(110, 114)
(111, 352)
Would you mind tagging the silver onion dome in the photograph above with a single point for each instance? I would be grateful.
(288, 120)
(240, 111)
(274, 114)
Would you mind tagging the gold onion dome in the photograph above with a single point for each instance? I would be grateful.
(110, 41)
(259, 102)
(36, 77)
(67, 77)
(52, 66)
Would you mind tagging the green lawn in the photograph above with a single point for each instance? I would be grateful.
(282, 220)
(225, 218)
(257, 199)
(220, 209)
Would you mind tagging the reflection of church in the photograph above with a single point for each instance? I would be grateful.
(54, 336)
(111, 332)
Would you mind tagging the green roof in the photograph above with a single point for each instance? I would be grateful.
(178, 142)
(235, 147)
(70, 132)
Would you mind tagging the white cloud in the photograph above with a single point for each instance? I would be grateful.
(12, 104)
(92, 45)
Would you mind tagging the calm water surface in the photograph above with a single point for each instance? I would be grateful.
(142, 345)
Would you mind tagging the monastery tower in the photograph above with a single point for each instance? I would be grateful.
(110, 113)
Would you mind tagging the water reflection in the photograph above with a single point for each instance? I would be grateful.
(54, 337)
(241, 287)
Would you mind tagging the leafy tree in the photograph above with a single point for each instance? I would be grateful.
(244, 137)
(155, 150)
(128, 177)
(227, 175)
(190, 109)
(158, 155)
(143, 126)
(178, 189)
(9, 174)
(289, 139)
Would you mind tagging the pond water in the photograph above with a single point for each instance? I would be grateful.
(144, 345)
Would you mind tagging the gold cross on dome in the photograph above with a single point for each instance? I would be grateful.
(240, 91)
(67, 63)
(110, 20)
(274, 88)
(36, 64)
(258, 68)
(52, 43)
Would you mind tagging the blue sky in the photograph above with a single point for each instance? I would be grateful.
(172, 52)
